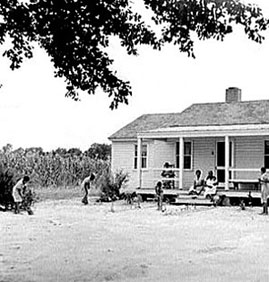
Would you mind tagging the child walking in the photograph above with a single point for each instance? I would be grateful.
(17, 192)
(159, 194)
(86, 185)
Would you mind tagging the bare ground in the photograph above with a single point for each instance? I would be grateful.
(66, 241)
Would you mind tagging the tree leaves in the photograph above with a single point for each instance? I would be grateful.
(75, 34)
(206, 18)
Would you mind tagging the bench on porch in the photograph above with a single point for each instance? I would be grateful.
(237, 182)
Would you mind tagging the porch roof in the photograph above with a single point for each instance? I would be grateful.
(202, 131)
(197, 116)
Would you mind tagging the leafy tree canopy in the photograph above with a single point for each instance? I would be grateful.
(74, 152)
(99, 151)
(75, 34)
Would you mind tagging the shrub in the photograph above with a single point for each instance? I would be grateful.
(6, 184)
(110, 185)
(7, 181)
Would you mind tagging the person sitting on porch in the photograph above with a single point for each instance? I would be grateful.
(198, 182)
(210, 187)
(168, 184)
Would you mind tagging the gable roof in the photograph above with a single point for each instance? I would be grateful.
(238, 113)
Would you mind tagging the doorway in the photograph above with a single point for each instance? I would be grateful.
(220, 160)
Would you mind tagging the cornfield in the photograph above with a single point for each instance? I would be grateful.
(50, 168)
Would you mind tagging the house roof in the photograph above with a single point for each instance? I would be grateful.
(237, 113)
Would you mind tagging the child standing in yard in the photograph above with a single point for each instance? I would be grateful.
(264, 180)
(159, 194)
(17, 192)
(86, 185)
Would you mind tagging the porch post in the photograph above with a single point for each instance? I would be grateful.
(139, 146)
(181, 162)
(227, 161)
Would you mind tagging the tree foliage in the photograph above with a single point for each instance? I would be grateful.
(99, 151)
(206, 18)
(75, 34)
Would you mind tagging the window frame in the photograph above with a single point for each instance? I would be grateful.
(185, 155)
(266, 155)
(135, 158)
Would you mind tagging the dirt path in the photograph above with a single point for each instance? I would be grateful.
(65, 241)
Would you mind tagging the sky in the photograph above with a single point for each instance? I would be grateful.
(34, 111)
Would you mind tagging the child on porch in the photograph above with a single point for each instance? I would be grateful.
(198, 182)
(168, 184)
(159, 194)
(210, 187)
(264, 180)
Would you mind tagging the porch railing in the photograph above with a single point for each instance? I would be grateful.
(150, 176)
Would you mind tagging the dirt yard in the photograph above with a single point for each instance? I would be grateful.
(66, 241)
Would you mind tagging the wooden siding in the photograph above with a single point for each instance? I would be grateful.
(147, 174)
(163, 152)
(159, 152)
(249, 153)
(202, 158)
(123, 158)
(122, 155)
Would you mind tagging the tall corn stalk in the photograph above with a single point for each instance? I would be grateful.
(50, 168)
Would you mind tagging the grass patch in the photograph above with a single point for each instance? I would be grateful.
(62, 193)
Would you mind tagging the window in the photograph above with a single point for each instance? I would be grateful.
(266, 154)
(144, 156)
(187, 159)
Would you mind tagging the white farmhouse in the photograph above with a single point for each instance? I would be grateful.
(230, 138)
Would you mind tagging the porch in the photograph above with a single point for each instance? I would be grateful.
(235, 154)
(181, 197)
(182, 193)
(173, 184)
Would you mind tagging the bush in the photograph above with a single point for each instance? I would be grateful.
(28, 199)
(7, 181)
(110, 185)
(6, 185)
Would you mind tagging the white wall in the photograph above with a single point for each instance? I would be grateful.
(204, 156)
(158, 153)
(123, 158)
(248, 153)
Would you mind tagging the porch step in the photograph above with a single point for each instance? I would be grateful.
(190, 200)
(182, 197)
